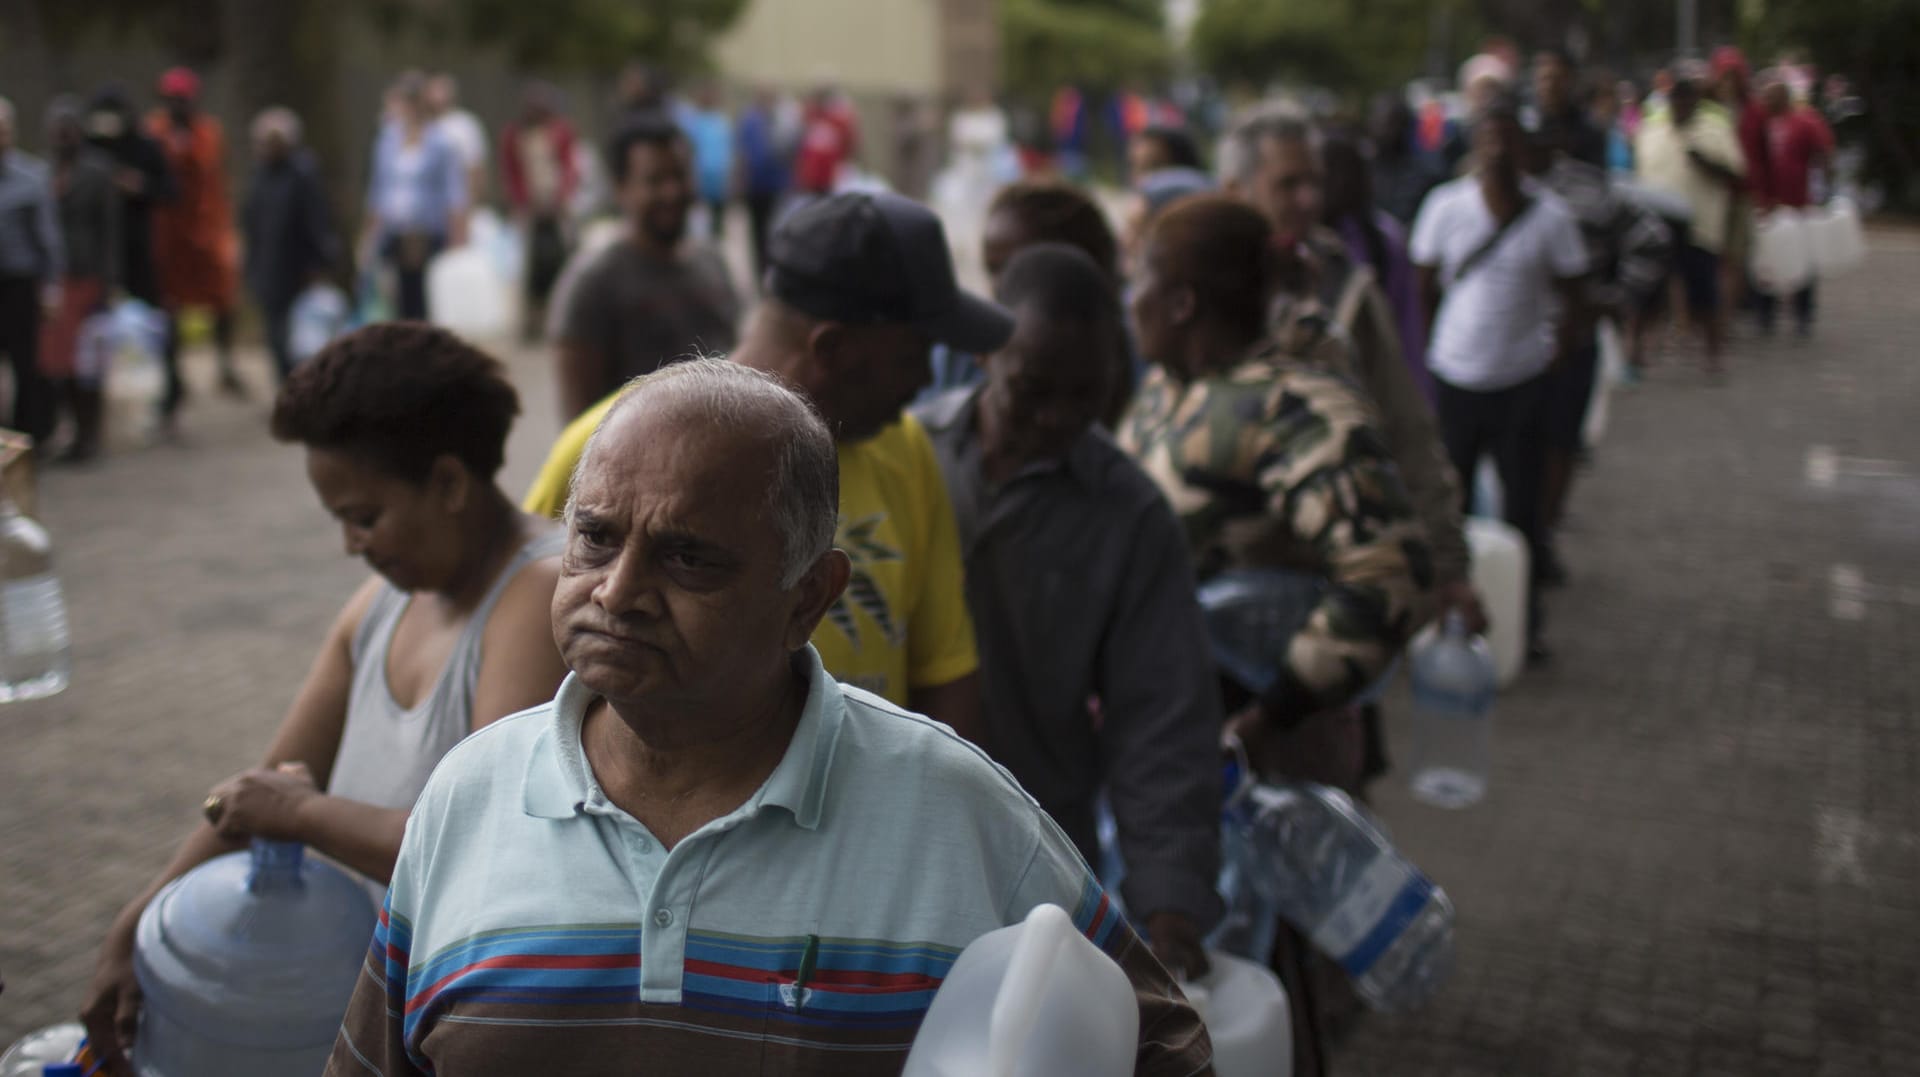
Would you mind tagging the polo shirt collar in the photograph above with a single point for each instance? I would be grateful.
(559, 782)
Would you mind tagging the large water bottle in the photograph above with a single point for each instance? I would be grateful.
(1307, 853)
(1454, 681)
(36, 659)
(247, 963)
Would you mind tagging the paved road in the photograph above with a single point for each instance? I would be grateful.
(1699, 854)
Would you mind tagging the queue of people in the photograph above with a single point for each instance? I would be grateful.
(821, 640)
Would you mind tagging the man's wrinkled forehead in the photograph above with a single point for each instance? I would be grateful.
(661, 447)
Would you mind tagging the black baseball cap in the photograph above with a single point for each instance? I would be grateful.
(878, 258)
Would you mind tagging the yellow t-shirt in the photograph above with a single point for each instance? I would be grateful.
(902, 622)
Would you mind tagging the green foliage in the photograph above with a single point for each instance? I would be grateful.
(1872, 43)
(600, 35)
(1095, 44)
(1341, 44)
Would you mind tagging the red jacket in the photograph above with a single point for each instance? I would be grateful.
(514, 170)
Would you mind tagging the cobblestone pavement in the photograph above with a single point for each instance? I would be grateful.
(1698, 854)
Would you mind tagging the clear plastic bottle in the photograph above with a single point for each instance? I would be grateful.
(35, 654)
(1308, 854)
(1454, 683)
(40, 1050)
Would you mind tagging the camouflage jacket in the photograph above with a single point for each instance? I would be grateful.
(1371, 357)
(1277, 464)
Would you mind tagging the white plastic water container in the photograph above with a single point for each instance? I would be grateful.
(319, 314)
(247, 963)
(32, 1053)
(1782, 261)
(1500, 577)
(1612, 367)
(135, 377)
(467, 295)
(1838, 243)
(1245, 1008)
(1030, 1000)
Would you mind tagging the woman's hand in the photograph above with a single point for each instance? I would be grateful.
(111, 1013)
(261, 803)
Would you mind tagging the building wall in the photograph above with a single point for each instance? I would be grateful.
(866, 47)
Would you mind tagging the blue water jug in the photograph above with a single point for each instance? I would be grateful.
(247, 963)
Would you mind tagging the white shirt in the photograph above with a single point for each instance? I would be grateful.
(1661, 153)
(1496, 326)
(468, 137)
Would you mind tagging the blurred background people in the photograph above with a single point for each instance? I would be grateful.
(764, 162)
(193, 233)
(1402, 174)
(539, 169)
(90, 224)
(829, 142)
(290, 241)
(1797, 143)
(710, 132)
(1692, 152)
(417, 196)
(31, 265)
(463, 129)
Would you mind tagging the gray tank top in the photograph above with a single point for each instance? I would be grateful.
(386, 750)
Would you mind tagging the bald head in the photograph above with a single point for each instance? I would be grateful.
(726, 410)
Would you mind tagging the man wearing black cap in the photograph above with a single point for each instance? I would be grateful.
(859, 287)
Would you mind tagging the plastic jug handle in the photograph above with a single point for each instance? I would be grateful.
(1018, 1007)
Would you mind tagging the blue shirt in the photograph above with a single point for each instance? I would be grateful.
(710, 133)
(533, 925)
(409, 194)
(766, 167)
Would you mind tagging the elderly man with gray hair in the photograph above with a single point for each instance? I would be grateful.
(705, 855)
(289, 239)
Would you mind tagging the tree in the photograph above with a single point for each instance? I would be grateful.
(595, 36)
(1093, 44)
(1338, 44)
(1872, 43)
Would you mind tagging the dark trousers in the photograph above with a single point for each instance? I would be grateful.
(1766, 306)
(410, 255)
(1512, 426)
(761, 207)
(279, 325)
(33, 412)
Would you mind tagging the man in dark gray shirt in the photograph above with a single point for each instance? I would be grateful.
(1092, 652)
(651, 297)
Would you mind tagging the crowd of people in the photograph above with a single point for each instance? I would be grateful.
(815, 550)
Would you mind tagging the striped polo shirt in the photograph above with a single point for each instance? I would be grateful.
(534, 927)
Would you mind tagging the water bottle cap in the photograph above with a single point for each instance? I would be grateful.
(63, 1069)
(1456, 623)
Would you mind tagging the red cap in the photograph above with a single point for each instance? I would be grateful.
(180, 82)
(1728, 58)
